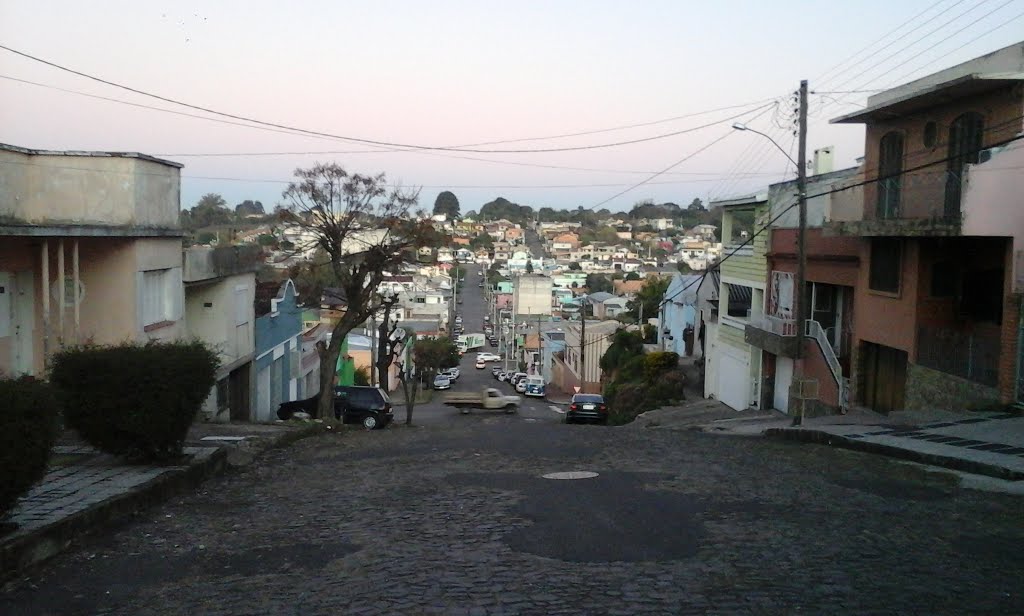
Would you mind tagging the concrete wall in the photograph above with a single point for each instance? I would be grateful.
(46, 189)
(532, 295)
(211, 311)
(929, 389)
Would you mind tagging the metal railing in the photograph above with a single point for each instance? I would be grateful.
(816, 331)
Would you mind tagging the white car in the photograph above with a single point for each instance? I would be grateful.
(452, 373)
(488, 356)
(480, 364)
(521, 386)
(442, 381)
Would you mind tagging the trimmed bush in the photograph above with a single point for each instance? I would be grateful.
(135, 400)
(659, 362)
(28, 429)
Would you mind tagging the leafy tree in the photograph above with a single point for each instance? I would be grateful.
(209, 210)
(695, 205)
(683, 267)
(599, 282)
(529, 267)
(574, 266)
(482, 240)
(471, 214)
(249, 208)
(649, 296)
(625, 346)
(503, 208)
(448, 204)
(363, 230)
(632, 276)
(206, 237)
(266, 239)
(362, 376)
(618, 276)
(433, 355)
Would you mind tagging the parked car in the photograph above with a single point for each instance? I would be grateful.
(442, 381)
(369, 406)
(495, 370)
(492, 342)
(504, 376)
(480, 364)
(587, 407)
(521, 386)
(481, 285)
(516, 377)
(452, 373)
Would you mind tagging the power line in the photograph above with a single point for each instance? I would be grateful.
(389, 144)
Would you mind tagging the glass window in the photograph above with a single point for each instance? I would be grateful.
(890, 179)
(886, 263)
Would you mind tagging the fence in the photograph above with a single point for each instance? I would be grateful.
(967, 355)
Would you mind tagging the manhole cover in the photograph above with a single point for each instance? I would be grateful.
(570, 475)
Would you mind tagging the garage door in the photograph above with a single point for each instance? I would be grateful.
(734, 382)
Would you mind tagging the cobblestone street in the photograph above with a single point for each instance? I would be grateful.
(456, 519)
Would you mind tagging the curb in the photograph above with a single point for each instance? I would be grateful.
(960, 464)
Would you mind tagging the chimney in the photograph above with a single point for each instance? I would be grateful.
(822, 160)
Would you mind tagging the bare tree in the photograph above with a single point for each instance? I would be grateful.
(366, 229)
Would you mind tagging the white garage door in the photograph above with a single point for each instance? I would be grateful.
(734, 382)
(783, 379)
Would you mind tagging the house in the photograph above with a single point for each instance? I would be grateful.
(460, 241)
(565, 242)
(941, 238)
(662, 224)
(220, 288)
(831, 277)
(514, 235)
(605, 305)
(445, 255)
(278, 348)
(677, 318)
(552, 341)
(309, 367)
(463, 255)
(90, 251)
(733, 366)
(571, 370)
(704, 231)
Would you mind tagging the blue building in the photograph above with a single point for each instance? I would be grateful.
(554, 342)
(278, 342)
(678, 313)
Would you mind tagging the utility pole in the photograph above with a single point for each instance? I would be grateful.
(801, 248)
(583, 345)
(540, 350)
(373, 347)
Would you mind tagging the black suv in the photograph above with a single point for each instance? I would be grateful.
(369, 406)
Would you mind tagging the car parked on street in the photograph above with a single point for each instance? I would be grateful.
(521, 386)
(587, 407)
(369, 406)
(480, 364)
(442, 381)
(452, 373)
(495, 370)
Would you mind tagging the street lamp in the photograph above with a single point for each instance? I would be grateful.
(743, 127)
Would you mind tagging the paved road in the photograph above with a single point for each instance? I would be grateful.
(473, 309)
(459, 520)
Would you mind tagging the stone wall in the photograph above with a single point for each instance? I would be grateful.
(929, 389)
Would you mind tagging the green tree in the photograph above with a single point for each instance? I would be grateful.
(433, 355)
(599, 282)
(696, 205)
(574, 266)
(266, 239)
(448, 204)
(650, 297)
(482, 241)
(632, 276)
(209, 210)
(683, 268)
(529, 267)
(249, 208)
(206, 237)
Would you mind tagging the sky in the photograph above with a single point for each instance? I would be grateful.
(449, 73)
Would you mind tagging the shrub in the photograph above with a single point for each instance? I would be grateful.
(668, 389)
(630, 400)
(28, 428)
(362, 376)
(657, 363)
(135, 400)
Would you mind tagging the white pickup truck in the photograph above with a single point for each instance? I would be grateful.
(489, 399)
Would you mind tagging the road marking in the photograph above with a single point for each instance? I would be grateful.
(556, 409)
(571, 475)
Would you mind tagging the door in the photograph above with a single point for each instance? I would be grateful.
(734, 382)
(238, 392)
(783, 380)
(263, 394)
(885, 377)
(17, 316)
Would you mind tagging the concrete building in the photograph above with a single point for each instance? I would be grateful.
(220, 288)
(532, 295)
(573, 371)
(90, 251)
(941, 240)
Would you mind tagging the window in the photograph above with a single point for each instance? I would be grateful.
(739, 300)
(965, 140)
(890, 168)
(931, 134)
(157, 296)
(886, 263)
(243, 307)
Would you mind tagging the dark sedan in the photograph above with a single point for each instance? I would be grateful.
(587, 407)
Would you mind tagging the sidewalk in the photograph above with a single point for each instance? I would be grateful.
(86, 489)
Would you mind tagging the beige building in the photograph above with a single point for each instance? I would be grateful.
(90, 251)
(531, 295)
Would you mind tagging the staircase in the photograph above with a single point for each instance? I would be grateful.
(814, 330)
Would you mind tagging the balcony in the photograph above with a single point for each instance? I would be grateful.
(202, 263)
(774, 334)
(925, 203)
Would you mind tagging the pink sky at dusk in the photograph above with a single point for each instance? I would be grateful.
(449, 73)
